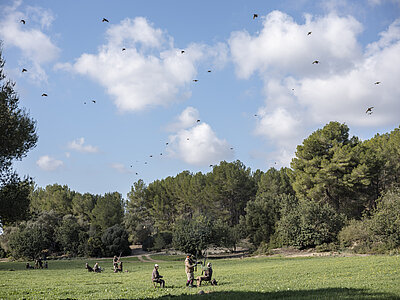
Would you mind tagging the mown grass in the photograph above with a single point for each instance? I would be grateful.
(372, 277)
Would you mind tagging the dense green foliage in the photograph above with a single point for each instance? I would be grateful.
(339, 191)
(372, 277)
(17, 137)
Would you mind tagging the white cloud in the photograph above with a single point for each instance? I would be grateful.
(48, 163)
(79, 146)
(120, 168)
(150, 72)
(198, 144)
(284, 46)
(186, 119)
(36, 47)
(300, 95)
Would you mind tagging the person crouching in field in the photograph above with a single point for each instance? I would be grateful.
(207, 275)
(156, 277)
(189, 269)
(89, 268)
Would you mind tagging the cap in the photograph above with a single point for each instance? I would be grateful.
(156, 265)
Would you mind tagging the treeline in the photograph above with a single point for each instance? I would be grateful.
(339, 192)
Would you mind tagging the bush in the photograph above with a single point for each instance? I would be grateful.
(162, 240)
(385, 220)
(356, 236)
(192, 236)
(309, 224)
(115, 241)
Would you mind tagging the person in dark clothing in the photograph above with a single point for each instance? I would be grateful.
(156, 277)
(207, 275)
(89, 268)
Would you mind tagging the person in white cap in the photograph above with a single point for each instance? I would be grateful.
(156, 277)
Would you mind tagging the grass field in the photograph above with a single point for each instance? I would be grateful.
(371, 277)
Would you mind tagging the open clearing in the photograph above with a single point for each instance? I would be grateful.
(327, 277)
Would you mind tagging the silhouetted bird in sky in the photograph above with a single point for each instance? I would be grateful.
(255, 16)
(23, 21)
(256, 115)
(209, 71)
(151, 155)
(24, 70)
(315, 62)
(198, 121)
(378, 82)
(309, 32)
(94, 101)
(231, 148)
(195, 80)
(105, 20)
(369, 110)
(166, 143)
(211, 166)
(44, 95)
(182, 51)
(187, 139)
(123, 49)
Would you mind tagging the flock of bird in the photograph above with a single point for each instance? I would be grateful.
(316, 62)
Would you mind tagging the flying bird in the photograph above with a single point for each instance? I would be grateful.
(123, 49)
(255, 16)
(94, 101)
(105, 20)
(151, 155)
(256, 115)
(166, 143)
(187, 139)
(231, 148)
(24, 70)
(315, 62)
(198, 121)
(369, 110)
(182, 51)
(44, 95)
(309, 32)
(378, 82)
(22, 21)
(195, 80)
(209, 71)
(211, 166)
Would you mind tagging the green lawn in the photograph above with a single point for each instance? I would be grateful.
(371, 277)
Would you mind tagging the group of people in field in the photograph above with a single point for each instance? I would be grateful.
(156, 278)
(38, 264)
(190, 265)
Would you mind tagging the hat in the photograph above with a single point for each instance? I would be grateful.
(209, 264)
(156, 265)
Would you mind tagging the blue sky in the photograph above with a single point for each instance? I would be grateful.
(262, 97)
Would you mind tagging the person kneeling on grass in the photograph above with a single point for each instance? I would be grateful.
(156, 277)
(207, 275)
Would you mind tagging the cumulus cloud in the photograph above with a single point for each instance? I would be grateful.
(48, 163)
(197, 143)
(186, 119)
(35, 45)
(78, 145)
(300, 95)
(150, 72)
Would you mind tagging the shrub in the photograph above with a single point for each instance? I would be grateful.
(115, 241)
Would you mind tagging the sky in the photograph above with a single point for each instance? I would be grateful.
(167, 86)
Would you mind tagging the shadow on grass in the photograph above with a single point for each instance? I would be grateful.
(328, 293)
